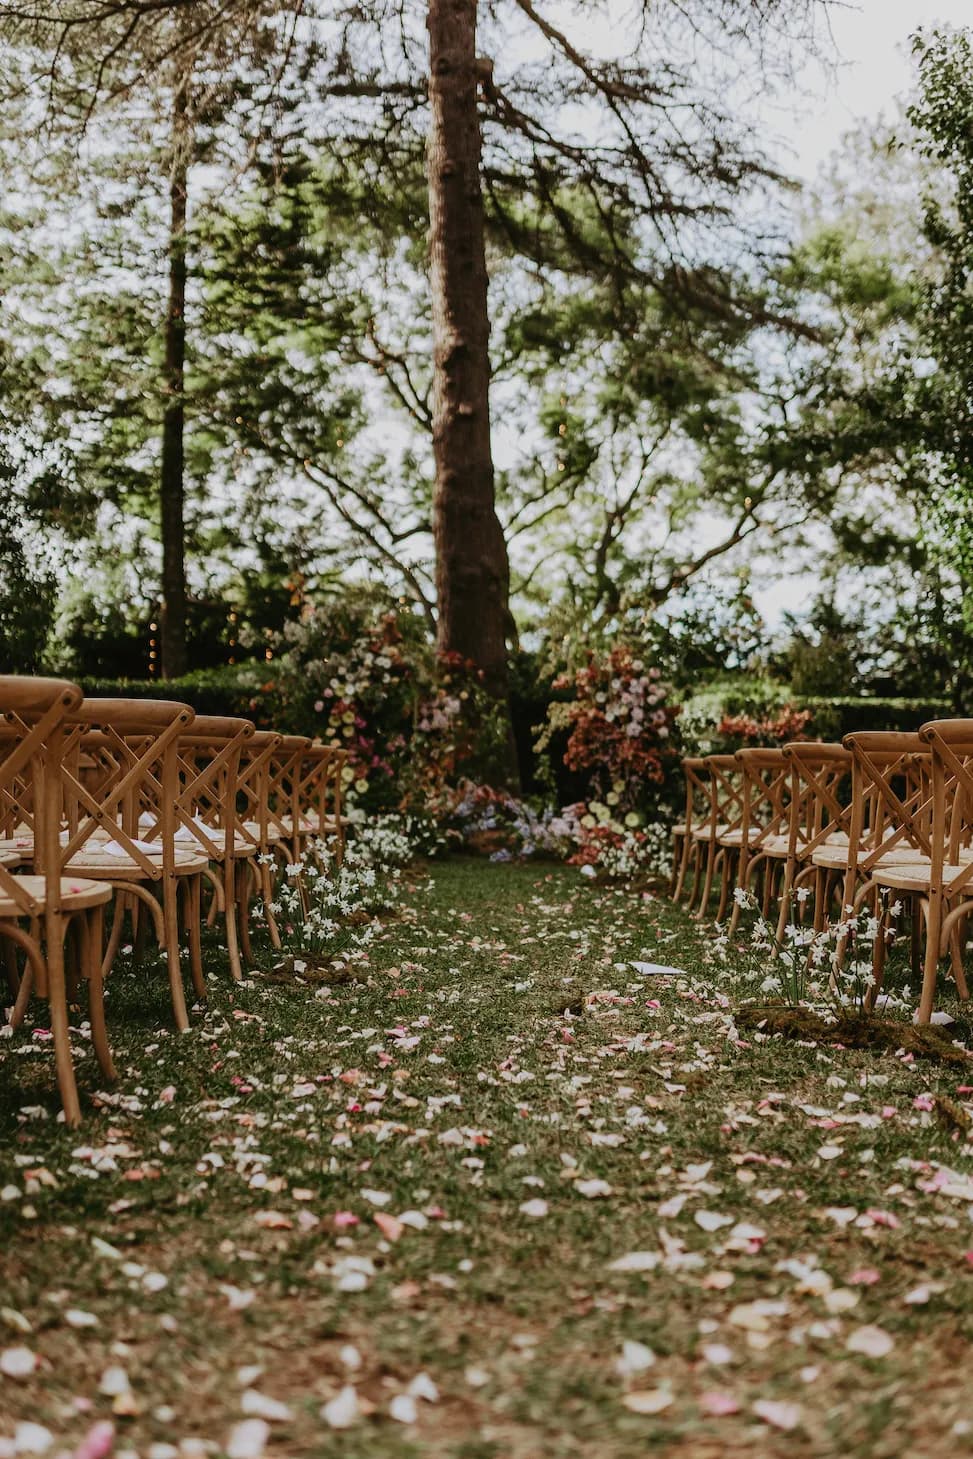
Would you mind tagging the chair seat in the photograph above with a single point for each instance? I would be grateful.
(735, 838)
(312, 823)
(102, 864)
(77, 894)
(254, 831)
(830, 858)
(915, 876)
(11, 858)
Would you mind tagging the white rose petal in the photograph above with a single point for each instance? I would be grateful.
(343, 1410)
(534, 1208)
(648, 1400)
(871, 1342)
(778, 1415)
(403, 1408)
(711, 1220)
(17, 1362)
(32, 1439)
(258, 1405)
(248, 1439)
(592, 1189)
(635, 1358)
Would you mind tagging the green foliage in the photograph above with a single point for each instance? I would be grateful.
(27, 592)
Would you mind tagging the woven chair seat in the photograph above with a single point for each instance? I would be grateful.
(101, 862)
(735, 838)
(77, 894)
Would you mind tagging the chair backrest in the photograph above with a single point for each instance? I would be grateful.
(319, 787)
(820, 795)
(35, 712)
(891, 798)
(253, 785)
(119, 779)
(207, 801)
(283, 780)
(725, 785)
(766, 795)
(696, 777)
(950, 742)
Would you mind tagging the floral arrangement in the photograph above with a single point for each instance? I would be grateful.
(776, 728)
(619, 722)
(364, 677)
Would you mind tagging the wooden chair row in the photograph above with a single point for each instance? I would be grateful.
(140, 804)
(882, 816)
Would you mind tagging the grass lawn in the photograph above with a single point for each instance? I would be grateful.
(424, 1187)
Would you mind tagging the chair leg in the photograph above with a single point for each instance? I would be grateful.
(229, 913)
(12, 971)
(697, 876)
(171, 920)
(243, 885)
(58, 1006)
(956, 963)
(194, 898)
(725, 879)
(786, 892)
(267, 897)
(122, 905)
(932, 906)
(93, 935)
(879, 953)
(708, 881)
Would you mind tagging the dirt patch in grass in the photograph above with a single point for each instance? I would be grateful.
(852, 1031)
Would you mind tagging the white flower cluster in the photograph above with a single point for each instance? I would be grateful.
(835, 965)
(328, 911)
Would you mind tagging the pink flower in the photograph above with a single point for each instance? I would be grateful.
(344, 1219)
(718, 1405)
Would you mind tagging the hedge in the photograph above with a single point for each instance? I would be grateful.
(831, 719)
(208, 691)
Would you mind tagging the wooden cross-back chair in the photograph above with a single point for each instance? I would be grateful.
(759, 843)
(283, 779)
(687, 850)
(118, 784)
(817, 836)
(947, 892)
(318, 812)
(724, 781)
(257, 757)
(891, 806)
(891, 839)
(209, 817)
(51, 898)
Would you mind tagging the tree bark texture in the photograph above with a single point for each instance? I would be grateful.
(472, 572)
(172, 492)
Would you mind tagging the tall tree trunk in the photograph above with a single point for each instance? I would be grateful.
(172, 483)
(472, 571)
